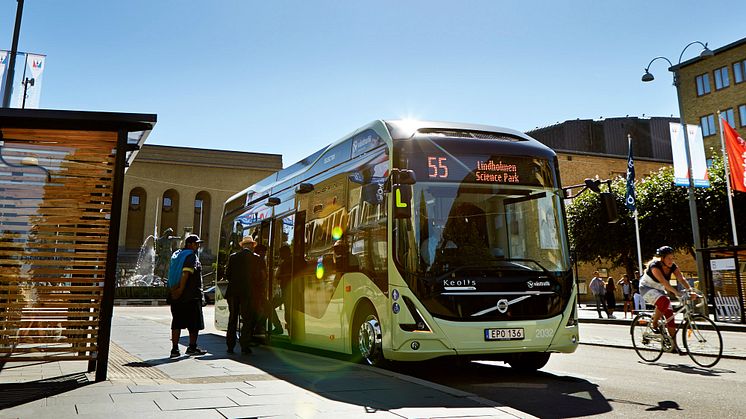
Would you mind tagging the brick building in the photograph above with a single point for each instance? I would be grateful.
(589, 149)
(712, 84)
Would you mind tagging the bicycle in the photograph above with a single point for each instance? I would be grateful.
(702, 339)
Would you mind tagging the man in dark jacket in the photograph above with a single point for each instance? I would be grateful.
(242, 270)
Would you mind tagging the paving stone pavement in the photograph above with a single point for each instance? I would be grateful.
(272, 382)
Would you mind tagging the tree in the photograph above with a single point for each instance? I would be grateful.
(664, 219)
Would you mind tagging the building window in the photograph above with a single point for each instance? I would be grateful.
(739, 71)
(703, 84)
(728, 116)
(708, 125)
(742, 115)
(167, 203)
(134, 200)
(721, 78)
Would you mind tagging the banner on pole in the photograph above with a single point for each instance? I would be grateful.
(4, 61)
(736, 147)
(29, 84)
(629, 197)
(696, 153)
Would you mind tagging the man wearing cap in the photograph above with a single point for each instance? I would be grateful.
(186, 296)
(242, 268)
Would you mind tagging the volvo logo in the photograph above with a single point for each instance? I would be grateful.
(502, 306)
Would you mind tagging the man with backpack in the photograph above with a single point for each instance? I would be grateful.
(185, 296)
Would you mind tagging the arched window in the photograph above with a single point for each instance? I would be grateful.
(135, 218)
(202, 215)
(169, 212)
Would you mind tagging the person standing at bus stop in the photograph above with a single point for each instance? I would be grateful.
(239, 270)
(185, 282)
(598, 289)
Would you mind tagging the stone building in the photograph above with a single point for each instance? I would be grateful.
(712, 84)
(183, 189)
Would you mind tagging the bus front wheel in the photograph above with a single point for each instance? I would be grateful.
(529, 361)
(366, 339)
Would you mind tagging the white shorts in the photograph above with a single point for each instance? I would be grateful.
(651, 295)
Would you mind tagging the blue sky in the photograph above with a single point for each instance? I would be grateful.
(288, 77)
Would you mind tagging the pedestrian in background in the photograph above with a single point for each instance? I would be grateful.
(610, 297)
(639, 302)
(626, 286)
(599, 290)
(185, 280)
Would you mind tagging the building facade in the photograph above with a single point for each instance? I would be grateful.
(711, 84)
(598, 149)
(587, 149)
(183, 189)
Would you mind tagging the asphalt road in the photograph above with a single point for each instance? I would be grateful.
(605, 381)
(595, 380)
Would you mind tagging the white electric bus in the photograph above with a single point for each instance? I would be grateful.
(411, 240)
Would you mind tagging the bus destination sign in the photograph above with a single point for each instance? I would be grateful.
(483, 169)
(496, 172)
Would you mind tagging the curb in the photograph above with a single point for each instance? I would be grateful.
(618, 346)
(624, 322)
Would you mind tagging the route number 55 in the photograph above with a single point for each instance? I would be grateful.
(437, 167)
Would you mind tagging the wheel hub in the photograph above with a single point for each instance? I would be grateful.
(369, 338)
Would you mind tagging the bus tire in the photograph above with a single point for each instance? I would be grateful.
(366, 337)
(529, 361)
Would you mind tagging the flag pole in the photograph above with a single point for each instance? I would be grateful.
(631, 194)
(726, 166)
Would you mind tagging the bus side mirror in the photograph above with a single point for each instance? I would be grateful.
(609, 203)
(402, 195)
(403, 177)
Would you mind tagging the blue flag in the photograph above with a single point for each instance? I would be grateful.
(629, 197)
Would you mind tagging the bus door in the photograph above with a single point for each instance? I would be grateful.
(263, 239)
(280, 276)
(299, 271)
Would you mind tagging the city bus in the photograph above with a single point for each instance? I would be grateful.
(412, 240)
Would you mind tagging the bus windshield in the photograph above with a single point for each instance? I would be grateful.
(455, 226)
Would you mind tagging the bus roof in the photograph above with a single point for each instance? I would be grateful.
(388, 131)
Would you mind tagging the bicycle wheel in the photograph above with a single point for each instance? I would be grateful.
(703, 341)
(647, 342)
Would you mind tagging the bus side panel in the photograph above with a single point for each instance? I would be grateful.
(323, 314)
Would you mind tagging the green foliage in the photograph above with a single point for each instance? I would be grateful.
(664, 219)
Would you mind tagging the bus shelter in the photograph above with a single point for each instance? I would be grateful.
(725, 268)
(61, 180)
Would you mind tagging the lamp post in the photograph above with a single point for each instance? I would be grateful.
(12, 58)
(647, 77)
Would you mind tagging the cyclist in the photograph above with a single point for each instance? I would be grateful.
(654, 284)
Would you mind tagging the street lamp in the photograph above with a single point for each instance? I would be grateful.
(647, 77)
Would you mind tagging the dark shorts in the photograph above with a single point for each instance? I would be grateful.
(627, 297)
(187, 315)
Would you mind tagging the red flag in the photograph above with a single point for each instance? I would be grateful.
(736, 147)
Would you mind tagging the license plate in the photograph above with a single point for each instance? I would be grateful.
(503, 334)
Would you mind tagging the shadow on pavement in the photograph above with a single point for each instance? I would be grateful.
(14, 394)
(335, 379)
(540, 394)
